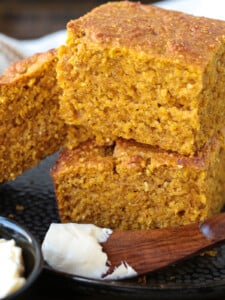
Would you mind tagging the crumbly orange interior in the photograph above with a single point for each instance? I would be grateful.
(30, 126)
(136, 186)
(116, 88)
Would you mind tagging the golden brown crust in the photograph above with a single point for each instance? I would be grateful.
(135, 151)
(22, 68)
(118, 24)
(79, 155)
(134, 155)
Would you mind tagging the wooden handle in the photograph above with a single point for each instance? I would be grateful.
(148, 250)
(214, 228)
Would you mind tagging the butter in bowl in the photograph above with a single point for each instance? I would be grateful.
(20, 260)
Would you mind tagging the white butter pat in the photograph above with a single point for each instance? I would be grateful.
(75, 249)
(124, 270)
(11, 267)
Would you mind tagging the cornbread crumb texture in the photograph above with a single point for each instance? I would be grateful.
(30, 126)
(131, 185)
(144, 73)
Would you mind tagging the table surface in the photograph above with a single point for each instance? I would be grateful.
(25, 19)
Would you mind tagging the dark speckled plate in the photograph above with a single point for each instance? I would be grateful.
(30, 200)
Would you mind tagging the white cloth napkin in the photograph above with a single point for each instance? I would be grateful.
(12, 49)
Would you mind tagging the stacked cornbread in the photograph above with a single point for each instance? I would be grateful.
(149, 86)
(30, 124)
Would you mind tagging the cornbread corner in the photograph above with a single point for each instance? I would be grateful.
(144, 73)
(138, 186)
(30, 125)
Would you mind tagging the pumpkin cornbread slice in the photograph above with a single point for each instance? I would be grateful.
(134, 185)
(30, 125)
(141, 72)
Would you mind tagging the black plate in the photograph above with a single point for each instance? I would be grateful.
(30, 200)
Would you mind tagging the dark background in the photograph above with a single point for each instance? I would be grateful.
(26, 19)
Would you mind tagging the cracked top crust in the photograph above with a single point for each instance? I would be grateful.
(159, 32)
